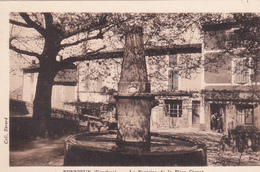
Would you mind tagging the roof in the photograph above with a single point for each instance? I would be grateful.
(219, 26)
(64, 77)
(34, 68)
(17, 93)
(173, 49)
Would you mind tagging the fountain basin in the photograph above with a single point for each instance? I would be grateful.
(99, 149)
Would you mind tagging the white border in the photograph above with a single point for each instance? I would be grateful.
(102, 6)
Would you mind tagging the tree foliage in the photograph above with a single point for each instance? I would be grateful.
(58, 40)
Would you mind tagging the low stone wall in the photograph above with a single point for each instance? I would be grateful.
(64, 114)
(18, 107)
(90, 123)
(21, 107)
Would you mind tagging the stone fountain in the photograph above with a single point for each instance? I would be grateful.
(133, 144)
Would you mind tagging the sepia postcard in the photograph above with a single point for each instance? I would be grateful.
(131, 86)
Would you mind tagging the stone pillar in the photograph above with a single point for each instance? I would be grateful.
(190, 113)
(202, 114)
(184, 113)
(134, 98)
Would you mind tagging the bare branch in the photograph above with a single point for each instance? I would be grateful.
(24, 51)
(98, 36)
(95, 56)
(75, 31)
(34, 25)
(92, 27)
(19, 23)
(155, 51)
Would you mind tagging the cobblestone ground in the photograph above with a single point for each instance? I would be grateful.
(215, 155)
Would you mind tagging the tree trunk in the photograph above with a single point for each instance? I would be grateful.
(47, 72)
(42, 101)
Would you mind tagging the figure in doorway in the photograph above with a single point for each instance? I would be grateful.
(219, 123)
(213, 121)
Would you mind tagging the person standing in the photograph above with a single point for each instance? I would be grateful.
(220, 123)
(213, 121)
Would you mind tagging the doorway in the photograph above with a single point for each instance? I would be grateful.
(195, 113)
(218, 109)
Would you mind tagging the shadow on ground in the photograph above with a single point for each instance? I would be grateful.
(26, 149)
(216, 156)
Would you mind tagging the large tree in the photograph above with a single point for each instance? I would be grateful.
(58, 40)
(55, 32)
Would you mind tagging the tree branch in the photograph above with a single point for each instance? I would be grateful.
(33, 24)
(48, 20)
(95, 56)
(72, 32)
(98, 36)
(155, 51)
(24, 51)
(94, 26)
(19, 23)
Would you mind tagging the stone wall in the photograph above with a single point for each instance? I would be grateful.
(18, 107)
(257, 117)
(229, 118)
(159, 119)
(21, 107)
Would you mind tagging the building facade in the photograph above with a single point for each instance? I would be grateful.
(190, 86)
(64, 88)
(228, 85)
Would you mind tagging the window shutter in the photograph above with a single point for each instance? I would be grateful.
(241, 72)
(99, 84)
(244, 72)
(175, 80)
(237, 72)
(170, 79)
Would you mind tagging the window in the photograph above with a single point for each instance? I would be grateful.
(241, 71)
(99, 84)
(93, 84)
(244, 114)
(173, 80)
(173, 108)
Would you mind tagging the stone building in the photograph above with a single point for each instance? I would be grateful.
(185, 98)
(230, 90)
(64, 88)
